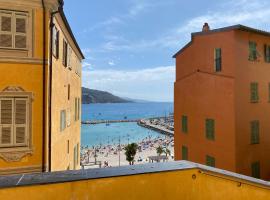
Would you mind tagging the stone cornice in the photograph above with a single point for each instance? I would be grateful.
(49, 4)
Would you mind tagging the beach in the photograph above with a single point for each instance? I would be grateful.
(108, 155)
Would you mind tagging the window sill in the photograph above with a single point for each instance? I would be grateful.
(9, 52)
(15, 154)
(254, 101)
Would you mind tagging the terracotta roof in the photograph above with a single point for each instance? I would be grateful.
(228, 28)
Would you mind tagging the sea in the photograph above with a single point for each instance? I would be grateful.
(102, 134)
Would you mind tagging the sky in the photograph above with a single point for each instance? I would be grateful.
(129, 44)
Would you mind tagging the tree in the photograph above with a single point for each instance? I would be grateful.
(167, 151)
(131, 150)
(159, 150)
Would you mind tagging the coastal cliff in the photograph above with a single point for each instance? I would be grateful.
(97, 96)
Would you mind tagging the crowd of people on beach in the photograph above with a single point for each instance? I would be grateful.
(96, 155)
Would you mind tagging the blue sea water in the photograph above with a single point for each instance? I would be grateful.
(93, 135)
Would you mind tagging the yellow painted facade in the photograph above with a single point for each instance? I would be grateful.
(28, 130)
(186, 184)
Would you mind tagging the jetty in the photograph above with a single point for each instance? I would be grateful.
(156, 127)
(109, 121)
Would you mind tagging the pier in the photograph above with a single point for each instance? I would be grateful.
(156, 127)
(109, 121)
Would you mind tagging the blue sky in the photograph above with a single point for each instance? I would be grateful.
(128, 44)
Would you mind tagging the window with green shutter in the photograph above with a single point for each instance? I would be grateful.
(255, 170)
(218, 59)
(210, 161)
(184, 124)
(254, 95)
(255, 132)
(267, 53)
(252, 51)
(210, 129)
(269, 92)
(184, 153)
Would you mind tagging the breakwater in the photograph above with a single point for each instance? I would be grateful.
(109, 121)
(156, 127)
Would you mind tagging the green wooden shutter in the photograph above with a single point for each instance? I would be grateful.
(210, 129)
(218, 59)
(252, 51)
(254, 95)
(255, 128)
(184, 124)
(210, 161)
(184, 153)
(269, 92)
(255, 170)
(267, 53)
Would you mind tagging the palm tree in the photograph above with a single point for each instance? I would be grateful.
(167, 151)
(159, 150)
(131, 150)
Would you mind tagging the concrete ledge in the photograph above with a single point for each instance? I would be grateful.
(79, 175)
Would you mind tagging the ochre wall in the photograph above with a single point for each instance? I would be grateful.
(185, 184)
(62, 76)
(206, 94)
(27, 73)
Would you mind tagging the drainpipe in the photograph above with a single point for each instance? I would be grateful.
(44, 91)
(50, 87)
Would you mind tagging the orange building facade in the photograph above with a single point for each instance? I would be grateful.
(222, 100)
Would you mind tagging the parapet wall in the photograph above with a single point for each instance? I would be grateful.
(175, 180)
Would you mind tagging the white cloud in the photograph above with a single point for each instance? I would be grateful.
(111, 63)
(150, 84)
(87, 66)
(255, 14)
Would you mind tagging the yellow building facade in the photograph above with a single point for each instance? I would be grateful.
(40, 88)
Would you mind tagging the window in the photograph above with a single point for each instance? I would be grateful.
(184, 153)
(68, 91)
(68, 146)
(255, 135)
(210, 129)
(13, 29)
(267, 53)
(77, 109)
(218, 59)
(210, 161)
(65, 49)
(76, 156)
(55, 45)
(254, 96)
(255, 170)
(253, 54)
(68, 119)
(69, 53)
(62, 120)
(184, 124)
(269, 92)
(14, 122)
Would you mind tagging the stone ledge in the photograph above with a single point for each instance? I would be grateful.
(80, 175)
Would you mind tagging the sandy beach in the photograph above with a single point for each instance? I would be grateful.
(108, 155)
